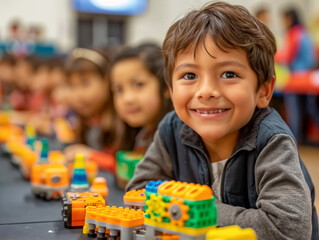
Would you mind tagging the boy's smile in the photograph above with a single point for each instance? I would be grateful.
(215, 93)
(209, 112)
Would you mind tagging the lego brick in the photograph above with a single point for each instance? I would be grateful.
(231, 233)
(74, 206)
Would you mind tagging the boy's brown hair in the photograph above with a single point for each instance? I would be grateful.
(230, 27)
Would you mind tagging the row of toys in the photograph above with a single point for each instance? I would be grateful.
(49, 174)
(163, 210)
(25, 151)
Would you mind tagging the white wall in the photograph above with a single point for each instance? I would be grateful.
(58, 18)
(153, 24)
(55, 16)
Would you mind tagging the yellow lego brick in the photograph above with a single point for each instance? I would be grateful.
(189, 191)
(231, 233)
(178, 229)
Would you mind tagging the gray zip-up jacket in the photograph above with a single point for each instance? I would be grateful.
(265, 185)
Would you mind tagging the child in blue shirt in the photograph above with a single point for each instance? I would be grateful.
(219, 65)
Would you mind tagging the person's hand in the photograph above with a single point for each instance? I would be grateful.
(74, 149)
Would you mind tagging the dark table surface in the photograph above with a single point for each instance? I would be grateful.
(24, 216)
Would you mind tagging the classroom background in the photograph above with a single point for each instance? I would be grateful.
(50, 30)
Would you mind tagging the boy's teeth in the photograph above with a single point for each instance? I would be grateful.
(210, 112)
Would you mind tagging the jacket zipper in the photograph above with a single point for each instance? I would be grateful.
(207, 162)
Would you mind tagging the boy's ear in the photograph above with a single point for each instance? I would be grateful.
(167, 93)
(170, 92)
(265, 93)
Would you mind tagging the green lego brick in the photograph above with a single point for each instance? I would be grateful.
(201, 213)
(126, 163)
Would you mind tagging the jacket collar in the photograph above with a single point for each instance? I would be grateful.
(247, 139)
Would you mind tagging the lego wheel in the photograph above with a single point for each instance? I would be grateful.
(177, 212)
(156, 208)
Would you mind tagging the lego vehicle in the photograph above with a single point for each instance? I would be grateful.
(173, 210)
(74, 206)
(49, 180)
(7, 130)
(28, 159)
(186, 209)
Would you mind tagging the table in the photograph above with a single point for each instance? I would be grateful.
(24, 216)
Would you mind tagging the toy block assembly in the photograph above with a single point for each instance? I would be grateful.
(74, 205)
(135, 199)
(48, 180)
(173, 210)
(185, 209)
(114, 220)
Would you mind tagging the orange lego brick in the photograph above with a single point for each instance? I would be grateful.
(135, 199)
(135, 196)
(75, 206)
(124, 217)
(56, 157)
(99, 186)
(189, 191)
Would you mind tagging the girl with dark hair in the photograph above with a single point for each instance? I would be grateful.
(141, 97)
(90, 97)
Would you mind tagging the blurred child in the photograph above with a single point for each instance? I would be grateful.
(60, 89)
(141, 97)
(298, 53)
(90, 94)
(20, 97)
(48, 75)
(23, 75)
(219, 65)
(7, 63)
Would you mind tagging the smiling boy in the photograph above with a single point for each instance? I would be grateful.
(219, 64)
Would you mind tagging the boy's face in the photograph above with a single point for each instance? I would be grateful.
(215, 95)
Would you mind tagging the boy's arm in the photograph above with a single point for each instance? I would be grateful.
(156, 165)
(283, 204)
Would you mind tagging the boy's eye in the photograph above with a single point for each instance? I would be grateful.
(229, 75)
(189, 76)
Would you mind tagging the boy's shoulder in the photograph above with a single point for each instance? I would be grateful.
(271, 125)
(170, 121)
(274, 123)
(171, 127)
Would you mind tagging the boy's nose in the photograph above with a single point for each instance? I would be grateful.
(206, 89)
